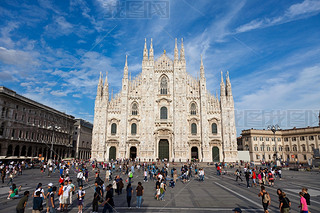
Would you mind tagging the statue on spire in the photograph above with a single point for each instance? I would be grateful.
(106, 88)
(145, 51)
(100, 86)
(182, 58)
(176, 52)
(125, 69)
(201, 69)
(222, 87)
(151, 52)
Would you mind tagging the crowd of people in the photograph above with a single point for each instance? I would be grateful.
(115, 178)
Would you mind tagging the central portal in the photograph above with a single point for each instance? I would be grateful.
(133, 152)
(163, 149)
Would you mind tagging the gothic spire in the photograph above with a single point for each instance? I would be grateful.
(222, 87)
(201, 69)
(125, 69)
(145, 51)
(182, 58)
(100, 86)
(176, 52)
(106, 88)
(151, 52)
(228, 85)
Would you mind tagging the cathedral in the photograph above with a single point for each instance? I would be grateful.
(164, 113)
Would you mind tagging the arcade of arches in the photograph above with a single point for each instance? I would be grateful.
(25, 150)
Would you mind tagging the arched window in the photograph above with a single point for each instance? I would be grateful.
(214, 128)
(164, 85)
(163, 113)
(193, 128)
(133, 129)
(193, 109)
(134, 109)
(113, 129)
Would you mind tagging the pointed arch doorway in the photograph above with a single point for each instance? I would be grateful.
(215, 154)
(133, 152)
(163, 149)
(194, 153)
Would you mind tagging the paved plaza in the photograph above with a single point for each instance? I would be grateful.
(215, 194)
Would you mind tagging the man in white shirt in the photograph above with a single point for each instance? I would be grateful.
(65, 196)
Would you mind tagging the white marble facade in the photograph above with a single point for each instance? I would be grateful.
(164, 112)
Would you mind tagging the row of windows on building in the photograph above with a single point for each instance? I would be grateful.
(280, 148)
(33, 136)
(30, 119)
(286, 139)
(271, 157)
(194, 129)
(163, 110)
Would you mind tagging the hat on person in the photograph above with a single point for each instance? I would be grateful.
(50, 184)
(237, 210)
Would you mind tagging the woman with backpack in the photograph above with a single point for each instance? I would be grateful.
(266, 200)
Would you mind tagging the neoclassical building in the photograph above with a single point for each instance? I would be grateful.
(291, 145)
(31, 129)
(164, 113)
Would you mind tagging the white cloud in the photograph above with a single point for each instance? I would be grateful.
(17, 57)
(296, 11)
(59, 93)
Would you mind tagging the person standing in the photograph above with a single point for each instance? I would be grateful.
(247, 175)
(306, 195)
(50, 200)
(80, 178)
(129, 194)
(139, 191)
(80, 196)
(50, 185)
(65, 196)
(72, 191)
(37, 203)
(254, 178)
(96, 197)
(266, 201)
(22, 203)
(130, 175)
(108, 204)
(303, 204)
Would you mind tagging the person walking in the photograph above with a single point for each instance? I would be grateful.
(266, 201)
(139, 191)
(303, 204)
(238, 175)
(285, 204)
(129, 194)
(247, 175)
(108, 204)
(130, 176)
(22, 203)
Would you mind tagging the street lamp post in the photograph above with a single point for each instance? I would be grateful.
(54, 128)
(275, 128)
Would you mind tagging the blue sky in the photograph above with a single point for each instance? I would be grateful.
(53, 51)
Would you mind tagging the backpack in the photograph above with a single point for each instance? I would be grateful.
(99, 181)
(266, 198)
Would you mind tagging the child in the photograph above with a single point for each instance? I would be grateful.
(51, 199)
(80, 195)
(60, 196)
(158, 192)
